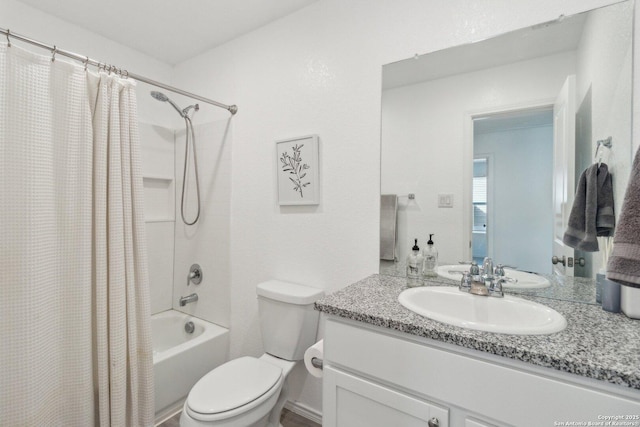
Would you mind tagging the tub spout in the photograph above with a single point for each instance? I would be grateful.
(189, 298)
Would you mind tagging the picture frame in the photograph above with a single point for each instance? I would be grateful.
(297, 167)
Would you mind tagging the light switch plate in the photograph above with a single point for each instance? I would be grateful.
(445, 200)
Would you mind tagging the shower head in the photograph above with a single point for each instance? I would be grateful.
(164, 98)
(159, 96)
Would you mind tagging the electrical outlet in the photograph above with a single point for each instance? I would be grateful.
(445, 200)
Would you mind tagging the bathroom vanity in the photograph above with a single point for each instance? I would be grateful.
(385, 365)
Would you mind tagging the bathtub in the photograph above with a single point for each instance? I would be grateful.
(180, 359)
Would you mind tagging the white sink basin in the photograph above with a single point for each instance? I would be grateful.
(521, 280)
(508, 315)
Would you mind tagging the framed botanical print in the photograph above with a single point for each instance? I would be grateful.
(298, 171)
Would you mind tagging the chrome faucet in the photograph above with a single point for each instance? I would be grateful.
(484, 282)
(491, 287)
(189, 298)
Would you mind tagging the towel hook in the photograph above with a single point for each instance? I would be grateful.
(53, 53)
(606, 142)
(602, 143)
(8, 39)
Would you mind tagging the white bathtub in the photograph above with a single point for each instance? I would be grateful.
(181, 359)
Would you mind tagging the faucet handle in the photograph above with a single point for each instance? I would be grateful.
(495, 289)
(195, 274)
(465, 282)
(474, 270)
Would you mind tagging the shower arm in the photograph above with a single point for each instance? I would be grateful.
(88, 61)
(233, 109)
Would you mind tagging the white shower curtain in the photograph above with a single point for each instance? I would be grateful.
(75, 345)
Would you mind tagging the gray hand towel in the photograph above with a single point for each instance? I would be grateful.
(624, 263)
(592, 211)
(605, 217)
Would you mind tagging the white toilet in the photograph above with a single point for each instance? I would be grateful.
(250, 392)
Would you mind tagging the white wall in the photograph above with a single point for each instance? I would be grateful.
(522, 226)
(424, 148)
(33, 23)
(319, 71)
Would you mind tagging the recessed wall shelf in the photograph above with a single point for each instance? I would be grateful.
(159, 198)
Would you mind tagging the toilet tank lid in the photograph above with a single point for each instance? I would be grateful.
(291, 293)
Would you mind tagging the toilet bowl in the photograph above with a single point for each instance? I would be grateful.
(249, 391)
(240, 393)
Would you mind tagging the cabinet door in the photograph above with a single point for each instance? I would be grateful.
(350, 401)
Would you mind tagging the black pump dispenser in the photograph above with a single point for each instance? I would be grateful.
(415, 245)
(430, 242)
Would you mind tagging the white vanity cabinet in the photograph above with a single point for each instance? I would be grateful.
(374, 376)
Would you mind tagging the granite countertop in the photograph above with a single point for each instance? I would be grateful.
(595, 343)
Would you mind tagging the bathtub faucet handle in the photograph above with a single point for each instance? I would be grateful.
(195, 274)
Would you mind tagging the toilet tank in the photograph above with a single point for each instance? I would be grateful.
(288, 321)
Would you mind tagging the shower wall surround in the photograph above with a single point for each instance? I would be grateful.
(159, 193)
(207, 242)
(174, 246)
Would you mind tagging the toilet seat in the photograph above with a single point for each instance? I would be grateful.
(234, 388)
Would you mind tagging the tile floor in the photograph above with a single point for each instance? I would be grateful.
(288, 419)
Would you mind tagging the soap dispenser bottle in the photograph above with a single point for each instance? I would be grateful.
(430, 255)
(414, 266)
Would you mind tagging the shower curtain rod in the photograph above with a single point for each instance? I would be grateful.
(88, 61)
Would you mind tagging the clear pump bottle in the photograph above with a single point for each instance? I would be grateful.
(414, 266)
(430, 261)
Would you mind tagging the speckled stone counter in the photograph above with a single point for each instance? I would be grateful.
(595, 343)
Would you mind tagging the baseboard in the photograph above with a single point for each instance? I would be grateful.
(295, 407)
(304, 411)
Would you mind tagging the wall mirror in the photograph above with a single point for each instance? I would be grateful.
(468, 139)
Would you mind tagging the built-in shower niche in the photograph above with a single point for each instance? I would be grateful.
(159, 195)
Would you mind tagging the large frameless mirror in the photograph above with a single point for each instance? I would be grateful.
(468, 151)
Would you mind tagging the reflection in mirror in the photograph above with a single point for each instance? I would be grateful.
(478, 125)
(512, 188)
